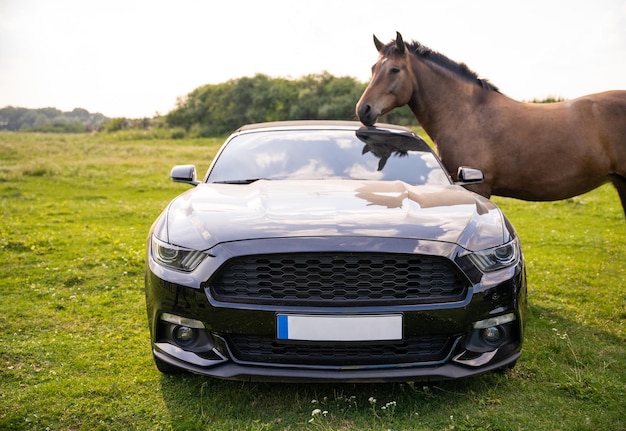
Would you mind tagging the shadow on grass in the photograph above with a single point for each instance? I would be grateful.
(217, 404)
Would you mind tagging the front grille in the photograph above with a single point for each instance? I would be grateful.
(267, 350)
(338, 279)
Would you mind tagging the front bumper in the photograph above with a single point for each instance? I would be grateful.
(229, 370)
(213, 347)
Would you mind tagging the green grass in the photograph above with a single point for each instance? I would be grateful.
(75, 351)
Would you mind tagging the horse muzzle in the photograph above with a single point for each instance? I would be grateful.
(366, 113)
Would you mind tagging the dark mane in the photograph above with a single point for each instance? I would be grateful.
(435, 57)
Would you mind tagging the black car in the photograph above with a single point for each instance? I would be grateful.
(329, 251)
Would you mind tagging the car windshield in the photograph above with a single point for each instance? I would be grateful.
(326, 154)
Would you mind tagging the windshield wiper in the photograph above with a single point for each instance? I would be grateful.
(248, 181)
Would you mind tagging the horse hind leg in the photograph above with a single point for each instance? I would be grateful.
(620, 184)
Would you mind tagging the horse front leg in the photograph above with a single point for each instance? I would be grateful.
(620, 184)
(481, 189)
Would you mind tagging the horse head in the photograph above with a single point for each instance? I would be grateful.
(392, 81)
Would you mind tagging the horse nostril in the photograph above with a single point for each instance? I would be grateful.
(364, 113)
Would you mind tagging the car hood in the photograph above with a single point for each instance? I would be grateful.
(211, 214)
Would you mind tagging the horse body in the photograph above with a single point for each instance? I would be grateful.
(537, 152)
(528, 151)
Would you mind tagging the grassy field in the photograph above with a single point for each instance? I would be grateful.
(74, 345)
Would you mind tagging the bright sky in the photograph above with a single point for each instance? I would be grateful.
(134, 58)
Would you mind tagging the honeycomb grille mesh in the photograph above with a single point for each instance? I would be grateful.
(331, 279)
(268, 350)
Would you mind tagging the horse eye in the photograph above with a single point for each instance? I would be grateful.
(394, 70)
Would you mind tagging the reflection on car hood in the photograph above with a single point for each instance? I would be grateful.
(211, 214)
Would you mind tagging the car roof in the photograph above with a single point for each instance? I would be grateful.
(380, 133)
(322, 124)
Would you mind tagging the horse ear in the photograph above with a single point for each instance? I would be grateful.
(379, 45)
(399, 42)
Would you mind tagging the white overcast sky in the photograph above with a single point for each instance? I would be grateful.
(134, 58)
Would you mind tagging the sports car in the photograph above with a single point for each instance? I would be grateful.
(331, 251)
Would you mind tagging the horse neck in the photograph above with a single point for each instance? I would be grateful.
(441, 100)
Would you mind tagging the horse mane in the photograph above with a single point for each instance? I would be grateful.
(435, 57)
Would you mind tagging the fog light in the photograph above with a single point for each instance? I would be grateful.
(495, 321)
(491, 335)
(184, 335)
(182, 321)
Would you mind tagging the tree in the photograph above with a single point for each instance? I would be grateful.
(49, 120)
(221, 108)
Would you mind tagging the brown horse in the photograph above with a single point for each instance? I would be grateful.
(536, 152)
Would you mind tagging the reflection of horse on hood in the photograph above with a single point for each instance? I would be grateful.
(530, 151)
(393, 194)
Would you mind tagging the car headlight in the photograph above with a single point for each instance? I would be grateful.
(180, 258)
(493, 259)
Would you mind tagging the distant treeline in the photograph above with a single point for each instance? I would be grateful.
(217, 109)
(50, 120)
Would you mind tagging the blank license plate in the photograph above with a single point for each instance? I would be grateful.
(339, 328)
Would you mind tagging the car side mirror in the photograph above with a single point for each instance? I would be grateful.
(184, 174)
(467, 175)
